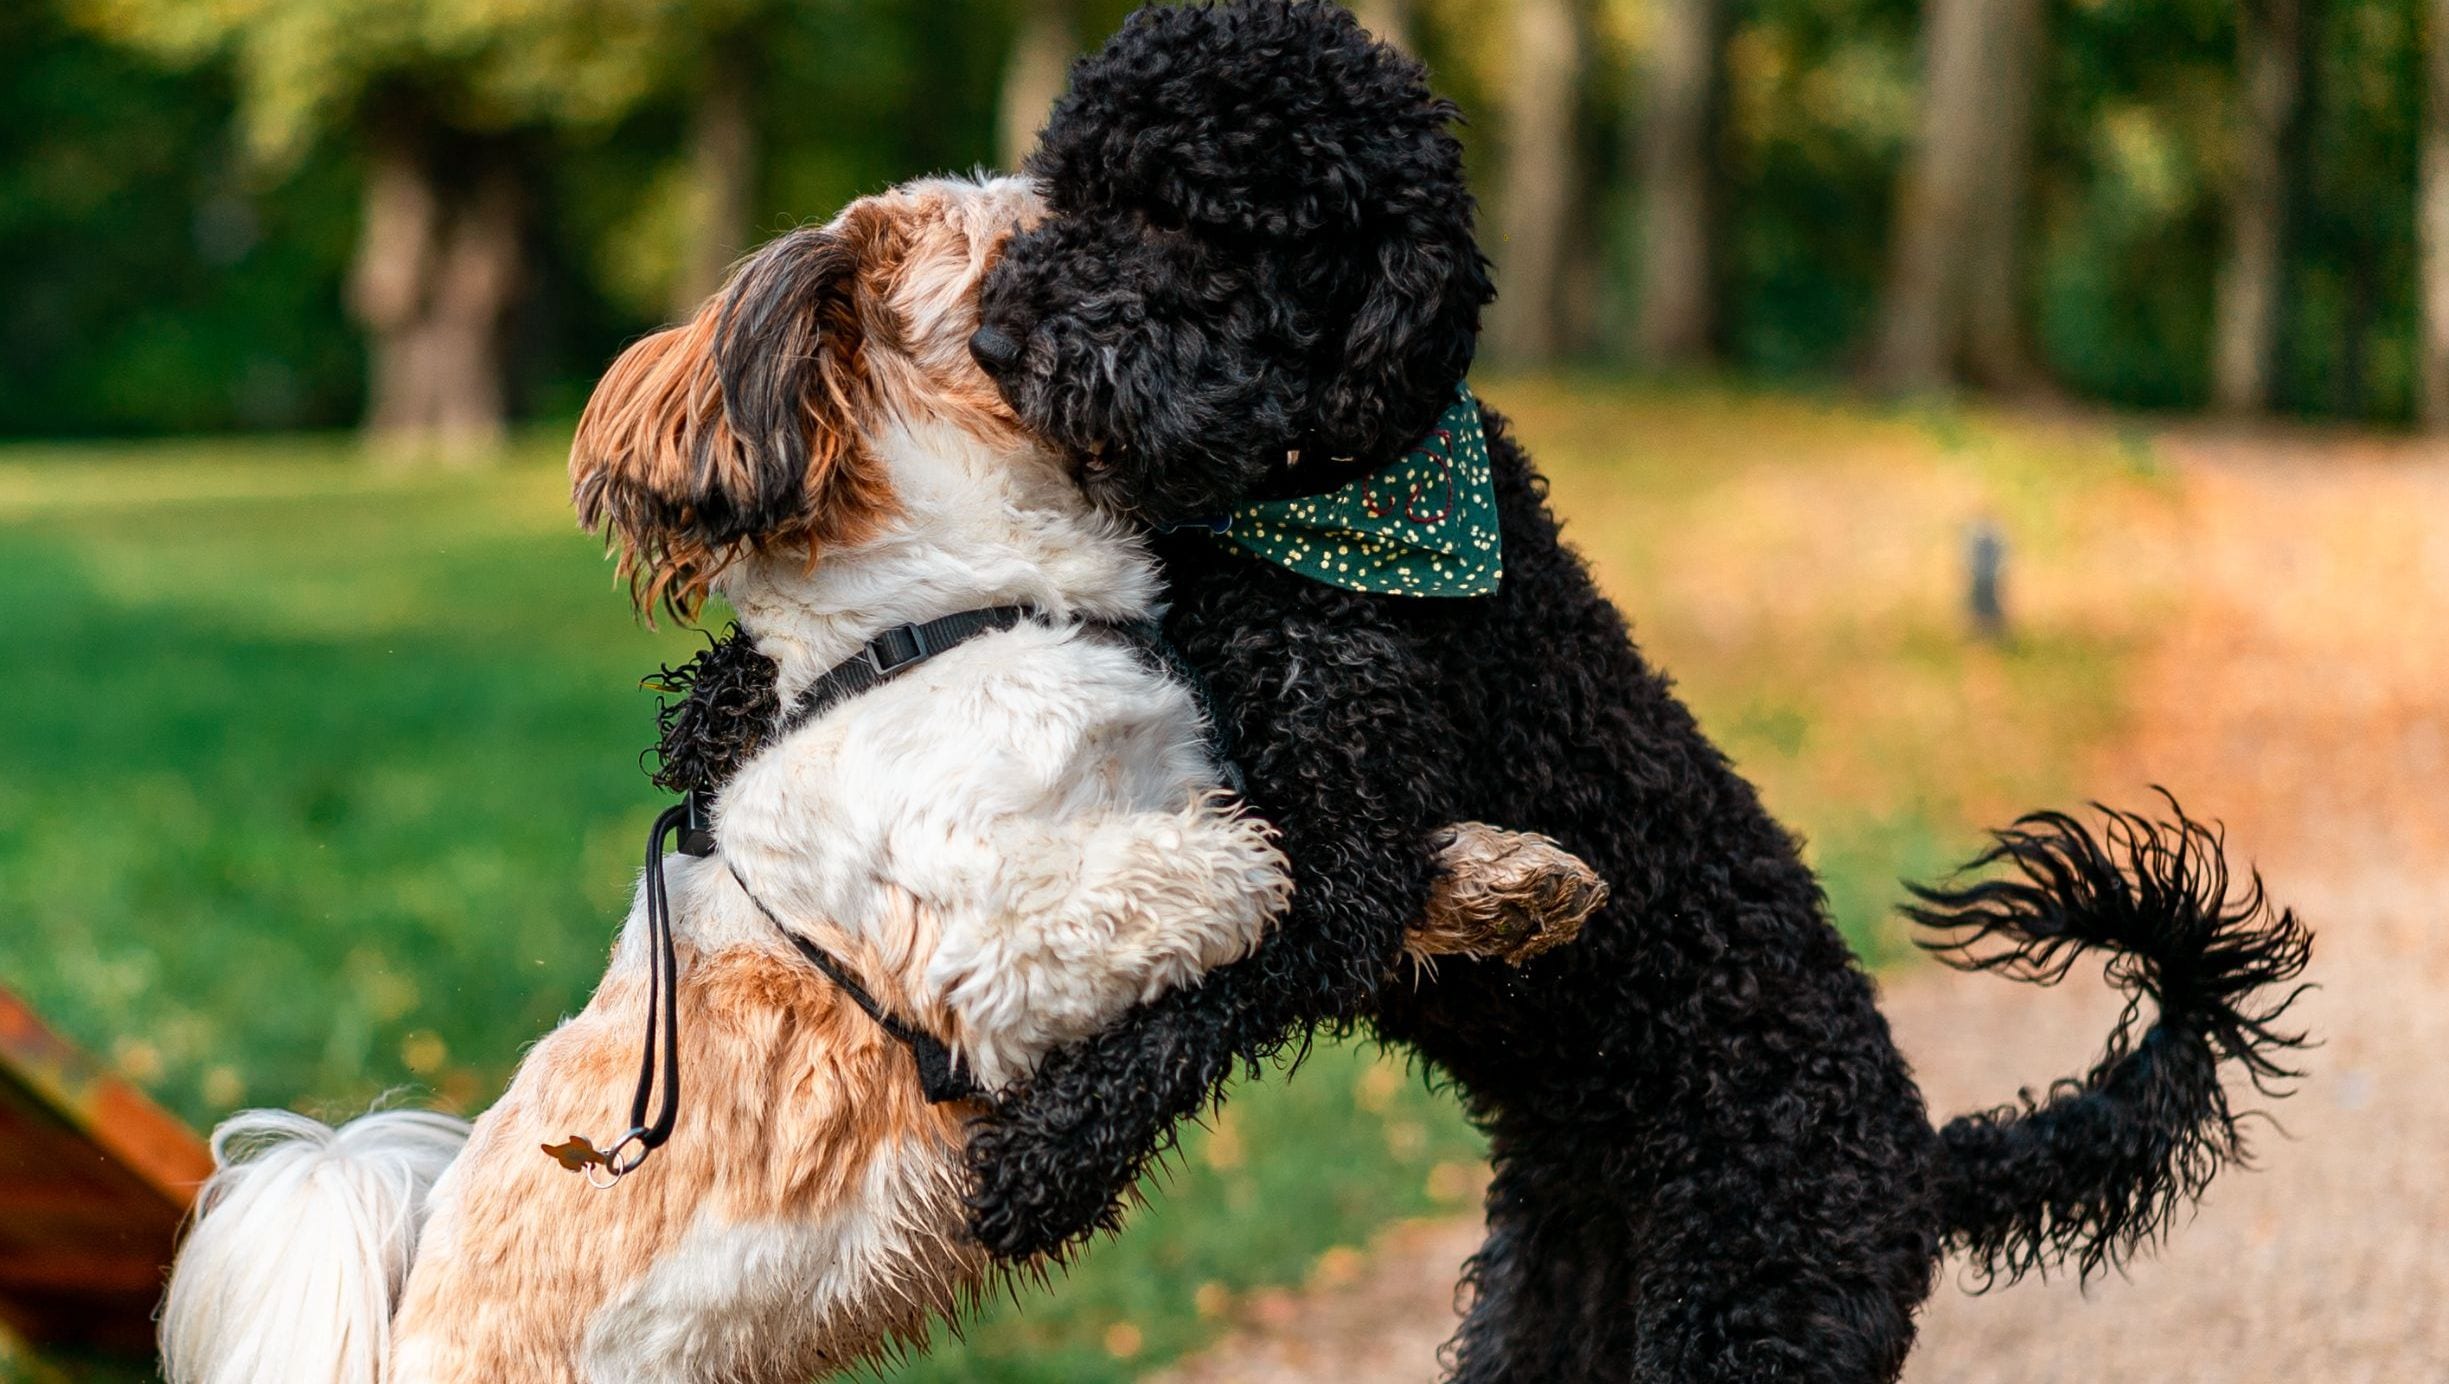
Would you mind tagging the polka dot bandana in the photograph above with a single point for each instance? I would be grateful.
(1424, 526)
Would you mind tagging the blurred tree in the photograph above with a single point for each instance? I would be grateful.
(525, 184)
(1047, 39)
(1679, 184)
(2433, 398)
(438, 268)
(145, 284)
(1955, 293)
(832, 98)
(1538, 199)
(2131, 215)
(438, 256)
(2271, 56)
(446, 102)
(1997, 347)
(722, 168)
(175, 253)
(2354, 330)
(1822, 98)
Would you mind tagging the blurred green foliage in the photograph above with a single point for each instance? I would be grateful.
(176, 216)
(146, 284)
(2137, 113)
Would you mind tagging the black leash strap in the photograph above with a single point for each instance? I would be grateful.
(940, 1075)
(659, 1063)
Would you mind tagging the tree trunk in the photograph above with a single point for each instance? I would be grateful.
(722, 179)
(1390, 20)
(1678, 184)
(438, 268)
(1997, 354)
(396, 249)
(1527, 323)
(1042, 51)
(2354, 390)
(1955, 238)
(2433, 219)
(475, 282)
(2245, 331)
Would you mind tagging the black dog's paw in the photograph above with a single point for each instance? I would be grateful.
(1040, 1187)
(1054, 1164)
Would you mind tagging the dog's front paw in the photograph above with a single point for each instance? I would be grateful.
(1505, 895)
(1044, 1175)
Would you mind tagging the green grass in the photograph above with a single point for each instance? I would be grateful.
(318, 781)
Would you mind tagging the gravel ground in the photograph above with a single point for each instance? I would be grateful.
(2300, 692)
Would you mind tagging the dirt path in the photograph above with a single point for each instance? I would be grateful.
(2301, 693)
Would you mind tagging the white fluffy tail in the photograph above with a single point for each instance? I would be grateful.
(300, 1248)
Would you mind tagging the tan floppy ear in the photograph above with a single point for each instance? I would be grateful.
(737, 429)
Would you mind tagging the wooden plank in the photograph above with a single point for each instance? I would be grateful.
(117, 1117)
(94, 1182)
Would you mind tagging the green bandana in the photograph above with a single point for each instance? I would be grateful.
(1424, 526)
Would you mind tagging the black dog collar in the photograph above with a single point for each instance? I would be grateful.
(895, 652)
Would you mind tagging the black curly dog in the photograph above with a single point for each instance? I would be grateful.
(1711, 1162)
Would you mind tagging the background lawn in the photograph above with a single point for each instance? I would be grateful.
(318, 781)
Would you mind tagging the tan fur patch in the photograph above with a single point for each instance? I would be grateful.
(789, 1092)
(955, 241)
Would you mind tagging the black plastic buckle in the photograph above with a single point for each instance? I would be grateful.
(896, 649)
(697, 828)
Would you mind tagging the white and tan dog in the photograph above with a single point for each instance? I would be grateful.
(1009, 845)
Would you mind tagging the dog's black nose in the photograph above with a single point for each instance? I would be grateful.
(994, 351)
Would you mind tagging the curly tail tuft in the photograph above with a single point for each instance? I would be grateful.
(2096, 1170)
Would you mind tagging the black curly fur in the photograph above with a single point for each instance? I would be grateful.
(2097, 1170)
(1284, 255)
(727, 707)
(1710, 1161)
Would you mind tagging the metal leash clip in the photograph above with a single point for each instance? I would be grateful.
(579, 1156)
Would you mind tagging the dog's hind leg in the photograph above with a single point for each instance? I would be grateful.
(1594, 1270)
(1822, 1294)
(1552, 1280)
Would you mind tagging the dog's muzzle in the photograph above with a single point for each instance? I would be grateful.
(995, 351)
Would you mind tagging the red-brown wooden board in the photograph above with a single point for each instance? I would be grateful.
(94, 1179)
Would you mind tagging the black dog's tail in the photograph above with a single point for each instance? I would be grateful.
(2095, 1171)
